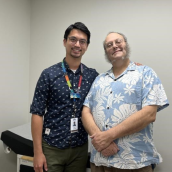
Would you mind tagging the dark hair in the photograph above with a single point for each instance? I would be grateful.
(79, 26)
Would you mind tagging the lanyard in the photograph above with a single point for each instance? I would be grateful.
(73, 94)
(69, 84)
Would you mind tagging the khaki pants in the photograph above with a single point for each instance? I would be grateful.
(66, 160)
(113, 169)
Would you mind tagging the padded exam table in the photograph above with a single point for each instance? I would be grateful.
(19, 140)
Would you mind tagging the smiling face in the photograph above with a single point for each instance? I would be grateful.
(115, 47)
(75, 46)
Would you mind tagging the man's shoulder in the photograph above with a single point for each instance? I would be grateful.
(90, 70)
(146, 70)
(51, 68)
(101, 76)
(141, 68)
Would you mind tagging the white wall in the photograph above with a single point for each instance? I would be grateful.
(146, 23)
(14, 70)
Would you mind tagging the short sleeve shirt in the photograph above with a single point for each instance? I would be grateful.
(112, 100)
(52, 100)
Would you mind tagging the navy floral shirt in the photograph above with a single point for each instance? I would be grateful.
(52, 100)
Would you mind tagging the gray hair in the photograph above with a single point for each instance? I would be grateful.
(127, 45)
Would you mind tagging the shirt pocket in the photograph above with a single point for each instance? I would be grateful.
(133, 96)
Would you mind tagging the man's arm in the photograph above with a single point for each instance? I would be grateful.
(39, 158)
(91, 128)
(88, 121)
(131, 125)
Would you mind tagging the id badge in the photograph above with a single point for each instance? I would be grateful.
(75, 95)
(47, 131)
(74, 125)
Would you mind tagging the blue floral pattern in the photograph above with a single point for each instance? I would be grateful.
(112, 100)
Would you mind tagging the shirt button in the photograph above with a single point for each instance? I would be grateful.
(111, 92)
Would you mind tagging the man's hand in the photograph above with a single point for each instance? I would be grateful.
(101, 140)
(112, 149)
(138, 64)
(39, 162)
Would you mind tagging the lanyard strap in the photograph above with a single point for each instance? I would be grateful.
(70, 86)
(68, 81)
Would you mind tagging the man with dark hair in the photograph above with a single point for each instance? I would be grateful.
(60, 146)
(120, 108)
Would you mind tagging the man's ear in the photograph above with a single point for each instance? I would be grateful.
(64, 42)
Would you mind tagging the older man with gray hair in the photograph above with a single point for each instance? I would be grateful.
(120, 109)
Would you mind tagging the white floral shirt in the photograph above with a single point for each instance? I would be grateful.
(112, 100)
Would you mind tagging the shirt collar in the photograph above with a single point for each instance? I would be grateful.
(131, 67)
(67, 66)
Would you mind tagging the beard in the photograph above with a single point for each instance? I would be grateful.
(127, 48)
(113, 61)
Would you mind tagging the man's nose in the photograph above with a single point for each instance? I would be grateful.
(77, 43)
(115, 45)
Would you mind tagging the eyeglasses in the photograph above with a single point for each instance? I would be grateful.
(117, 42)
(74, 40)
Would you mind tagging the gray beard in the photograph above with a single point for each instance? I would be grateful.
(112, 61)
